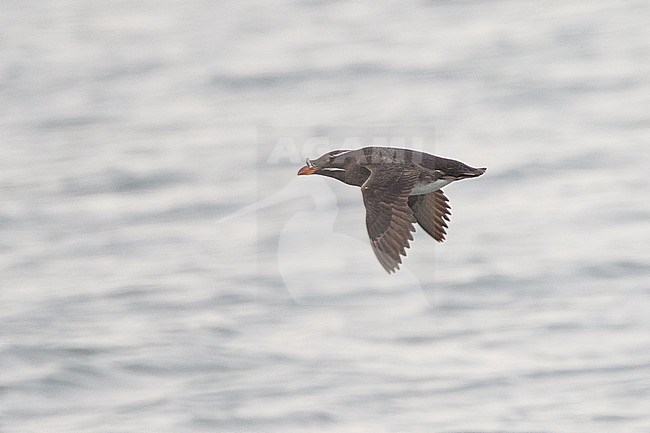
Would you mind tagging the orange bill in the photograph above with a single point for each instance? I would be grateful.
(307, 170)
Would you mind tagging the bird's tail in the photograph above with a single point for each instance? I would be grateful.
(473, 172)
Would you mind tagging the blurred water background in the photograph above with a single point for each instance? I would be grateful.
(162, 268)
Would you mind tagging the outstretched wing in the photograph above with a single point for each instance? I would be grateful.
(389, 218)
(432, 212)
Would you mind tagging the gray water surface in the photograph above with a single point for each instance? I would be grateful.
(162, 268)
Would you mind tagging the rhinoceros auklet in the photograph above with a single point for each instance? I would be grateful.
(400, 187)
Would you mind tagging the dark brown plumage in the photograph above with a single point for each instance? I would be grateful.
(432, 212)
(400, 187)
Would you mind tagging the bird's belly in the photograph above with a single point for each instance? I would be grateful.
(427, 187)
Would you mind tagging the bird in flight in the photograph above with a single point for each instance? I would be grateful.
(400, 187)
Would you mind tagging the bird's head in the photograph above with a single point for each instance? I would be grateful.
(332, 164)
